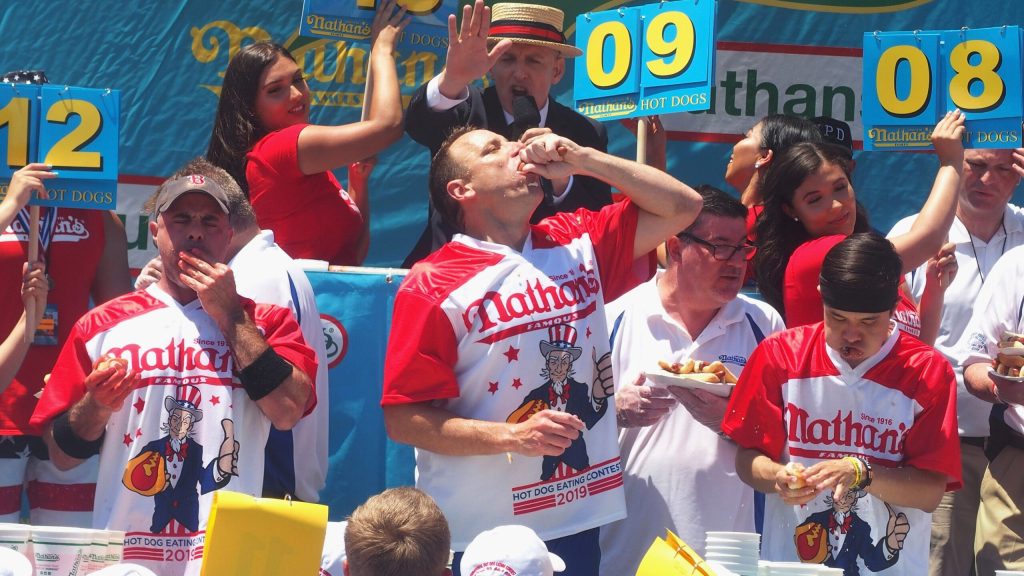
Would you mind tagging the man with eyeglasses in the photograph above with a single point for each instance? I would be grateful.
(691, 309)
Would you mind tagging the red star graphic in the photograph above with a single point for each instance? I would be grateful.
(516, 383)
(214, 400)
(512, 353)
(138, 432)
(492, 387)
(588, 332)
(127, 439)
(139, 405)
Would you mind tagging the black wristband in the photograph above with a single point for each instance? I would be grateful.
(265, 374)
(71, 443)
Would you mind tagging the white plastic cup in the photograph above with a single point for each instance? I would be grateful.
(115, 546)
(16, 537)
(96, 558)
(1009, 573)
(60, 551)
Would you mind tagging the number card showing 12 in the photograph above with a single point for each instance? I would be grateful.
(912, 78)
(653, 59)
(73, 129)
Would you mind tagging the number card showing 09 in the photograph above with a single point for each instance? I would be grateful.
(912, 78)
(73, 129)
(653, 59)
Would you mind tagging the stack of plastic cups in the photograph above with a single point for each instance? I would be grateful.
(797, 569)
(737, 552)
(115, 546)
(97, 555)
(16, 537)
(60, 551)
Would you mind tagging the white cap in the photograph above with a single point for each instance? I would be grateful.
(14, 563)
(124, 570)
(509, 550)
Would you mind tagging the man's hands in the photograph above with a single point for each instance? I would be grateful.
(468, 57)
(640, 405)
(110, 383)
(549, 155)
(942, 268)
(214, 284)
(547, 433)
(150, 273)
(704, 406)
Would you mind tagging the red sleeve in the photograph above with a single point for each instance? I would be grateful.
(754, 416)
(422, 351)
(67, 379)
(611, 230)
(275, 158)
(933, 442)
(800, 296)
(282, 333)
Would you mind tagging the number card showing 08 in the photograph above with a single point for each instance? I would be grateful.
(74, 129)
(652, 59)
(912, 78)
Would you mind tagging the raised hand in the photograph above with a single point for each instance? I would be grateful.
(214, 284)
(388, 23)
(468, 57)
(34, 288)
(948, 139)
(942, 268)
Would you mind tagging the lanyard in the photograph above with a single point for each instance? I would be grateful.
(47, 227)
(974, 250)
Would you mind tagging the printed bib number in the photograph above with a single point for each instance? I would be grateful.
(73, 129)
(912, 78)
(652, 59)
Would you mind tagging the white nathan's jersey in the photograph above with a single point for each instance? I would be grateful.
(161, 456)
(490, 333)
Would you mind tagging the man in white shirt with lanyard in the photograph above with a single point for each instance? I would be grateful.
(985, 227)
(678, 472)
(1000, 524)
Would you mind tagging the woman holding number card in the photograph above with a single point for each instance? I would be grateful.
(263, 138)
(34, 285)
(810, 206)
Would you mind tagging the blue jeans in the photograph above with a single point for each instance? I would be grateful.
(581, 553)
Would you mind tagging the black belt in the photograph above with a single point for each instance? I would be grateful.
(976, 441)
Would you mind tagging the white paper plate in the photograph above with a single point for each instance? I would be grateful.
(994, 374)
(662, 379)
(1012, 351)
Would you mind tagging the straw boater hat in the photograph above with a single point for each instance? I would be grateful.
(530, 24)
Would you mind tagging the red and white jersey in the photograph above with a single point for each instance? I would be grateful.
(159, 460)
(75, 241)
(798, 400)
(490, 333)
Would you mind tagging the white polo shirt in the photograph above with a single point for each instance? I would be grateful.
(999, 308)
(678, 474)
(975, 259)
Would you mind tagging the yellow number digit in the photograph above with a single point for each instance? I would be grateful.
(66, 152)
(414, 7)
(993, 90)
(681, 47)
(15, 115)
(920, 80)
(623, 51)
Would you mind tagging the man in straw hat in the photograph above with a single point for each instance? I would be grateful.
(524, 49)
(506, 306)
(144, 366)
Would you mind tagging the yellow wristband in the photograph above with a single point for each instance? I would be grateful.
(856, 470)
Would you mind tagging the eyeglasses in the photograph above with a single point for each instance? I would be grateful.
(720, 251)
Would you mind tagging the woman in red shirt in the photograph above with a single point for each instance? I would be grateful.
(810, 206)
(263, 138)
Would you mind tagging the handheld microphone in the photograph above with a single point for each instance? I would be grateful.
(526, 115)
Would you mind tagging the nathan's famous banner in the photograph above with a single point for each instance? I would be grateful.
(168, 60)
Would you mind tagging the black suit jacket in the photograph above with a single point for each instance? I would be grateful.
(483, 110)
